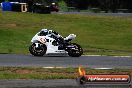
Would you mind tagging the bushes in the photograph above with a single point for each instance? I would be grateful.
(79, 4)
(62, 5)
(106, 5)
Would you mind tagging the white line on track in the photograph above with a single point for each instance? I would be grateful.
(106, 55)
(93, 55)
(53, 67)
(103, 68)
(67, 67)
(122, 56)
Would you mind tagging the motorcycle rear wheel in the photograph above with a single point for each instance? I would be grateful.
(75, 53)
(39, 52)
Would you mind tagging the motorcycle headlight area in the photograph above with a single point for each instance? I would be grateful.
(42, 40)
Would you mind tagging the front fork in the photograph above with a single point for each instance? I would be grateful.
(37, 45)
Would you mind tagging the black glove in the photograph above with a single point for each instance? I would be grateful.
(56, 33)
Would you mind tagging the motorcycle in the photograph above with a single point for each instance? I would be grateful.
(50, 44)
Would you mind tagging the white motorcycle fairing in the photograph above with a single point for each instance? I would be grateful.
(48, 41)
(47, 44)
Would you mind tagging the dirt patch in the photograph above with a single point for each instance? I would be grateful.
(24, 71)
(10, 25)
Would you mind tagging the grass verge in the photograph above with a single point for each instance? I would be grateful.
(96, 34)
(51, 73)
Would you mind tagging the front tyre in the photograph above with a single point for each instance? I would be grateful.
(76, 52)
(37, 51)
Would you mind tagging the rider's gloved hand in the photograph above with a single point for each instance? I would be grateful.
(56, 33)
(60, 39)
(50, 31)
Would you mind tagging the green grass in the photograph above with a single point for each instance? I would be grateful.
(35, 73)
(52, 73)
(96, 34)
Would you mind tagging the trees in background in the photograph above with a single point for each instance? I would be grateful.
(106, 5)
(80, 4)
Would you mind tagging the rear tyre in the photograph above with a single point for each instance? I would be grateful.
(37, 51)
(77, 52)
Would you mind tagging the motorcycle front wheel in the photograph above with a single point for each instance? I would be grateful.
(77, 52)
(37, 51)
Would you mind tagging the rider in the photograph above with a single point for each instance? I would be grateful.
(45, 32)
(55, 34)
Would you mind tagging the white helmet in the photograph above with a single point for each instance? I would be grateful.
(43, 32)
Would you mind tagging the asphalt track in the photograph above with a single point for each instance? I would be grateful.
(57, 83)
(62, 61)
(66, 61)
